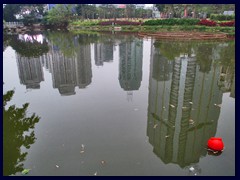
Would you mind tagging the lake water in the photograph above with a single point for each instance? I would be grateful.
(117, 105)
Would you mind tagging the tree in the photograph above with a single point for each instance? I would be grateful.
(160, 7)
(60, 15)
(16, 134)
(9, 12)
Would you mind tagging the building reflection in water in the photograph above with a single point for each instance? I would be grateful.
(103, 52)
(30, 71)
(184, 107)
(29, 65)
(68, 71)
(130, 65)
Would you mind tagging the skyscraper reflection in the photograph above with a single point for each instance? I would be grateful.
(68, 70)
(183, 107)
(30, 71)
(103, 52)
(130, 65)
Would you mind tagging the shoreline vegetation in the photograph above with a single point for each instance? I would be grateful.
(175, 28)
(172, 28)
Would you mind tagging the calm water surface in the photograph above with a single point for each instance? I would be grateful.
(112, 104)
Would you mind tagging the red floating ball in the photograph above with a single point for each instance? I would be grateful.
(215, 144)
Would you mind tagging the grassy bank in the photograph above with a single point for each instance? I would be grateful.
(144, 26)
(162, 28)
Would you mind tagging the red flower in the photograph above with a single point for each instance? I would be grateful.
(229, 23)
(206, 22)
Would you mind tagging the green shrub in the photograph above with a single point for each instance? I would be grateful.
(221, 17)
(171, 22)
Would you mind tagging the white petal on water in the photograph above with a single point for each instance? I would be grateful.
(95, 173)
(155, 126)
(103, 162)
(191, 121)
(191, 168)
(57, 166)
(166, 136)
(172, 106)
(82, 145)
(81, 152)
(190, 102)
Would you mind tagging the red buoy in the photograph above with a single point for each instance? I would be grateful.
(215, 144)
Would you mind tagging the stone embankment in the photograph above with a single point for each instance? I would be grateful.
(17, 28)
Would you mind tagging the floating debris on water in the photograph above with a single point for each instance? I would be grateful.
(172, 106)
(57, 166)
(103, 162)
(190, 102)
(191, 169)
(95, 173)
(191, 121)
(155, 126)
(25, 171)
(82, 148)
(166, 136)
(218, 105)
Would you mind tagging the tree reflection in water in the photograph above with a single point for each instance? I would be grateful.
(17, 132)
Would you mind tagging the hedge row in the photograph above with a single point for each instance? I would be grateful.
(107, 23)
(171, 22)
(221, 17)
(206, 22)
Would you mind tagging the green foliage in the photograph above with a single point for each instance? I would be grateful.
(9, 12)
(221, 17)
(29, 49)
(85, 23)
(30, 20)
(171, 22)
(60, 15)
(25, 171)
(17, 133)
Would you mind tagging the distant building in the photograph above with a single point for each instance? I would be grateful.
(228, 13)
(155, 12)
(50, 6)
(140, 6)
